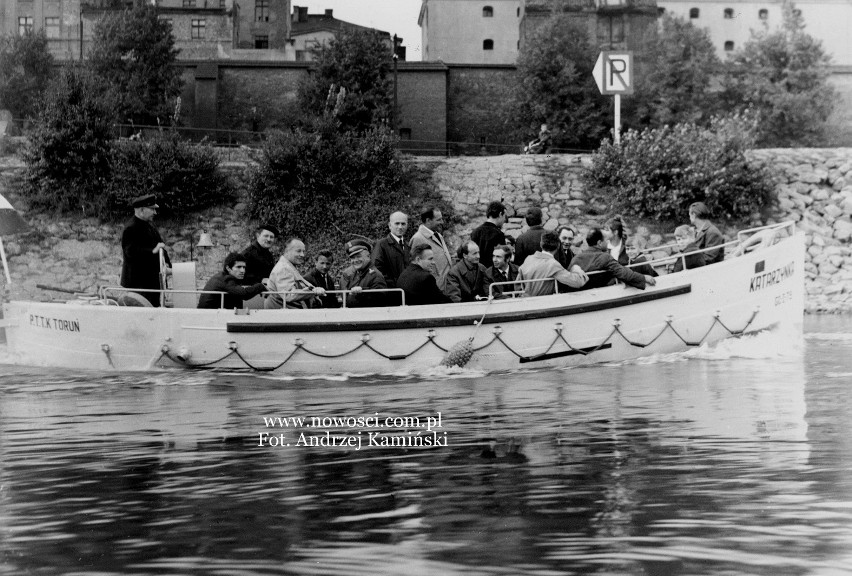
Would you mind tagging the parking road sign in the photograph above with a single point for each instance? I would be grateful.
(613, 72)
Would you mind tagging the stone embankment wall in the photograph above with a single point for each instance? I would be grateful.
(815, 189)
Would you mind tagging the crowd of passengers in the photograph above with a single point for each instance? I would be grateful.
(538, 263)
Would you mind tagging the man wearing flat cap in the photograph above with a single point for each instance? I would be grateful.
(140, 246)
(259, 258)
(361, 277)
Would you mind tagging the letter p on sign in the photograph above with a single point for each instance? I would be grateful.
(613, 72)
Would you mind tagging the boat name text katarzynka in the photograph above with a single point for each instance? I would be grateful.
(761, 281)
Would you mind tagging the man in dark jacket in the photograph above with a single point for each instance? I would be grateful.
(503, 270)
(417, 280)
(230, 281)
(140, 246)
(361, 277)
(258, 255)
(466, 280)
(490, 234)
(602, 268)
(530, 241)
(390, 255)
(320, 278)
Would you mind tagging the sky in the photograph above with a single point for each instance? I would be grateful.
(393, 16)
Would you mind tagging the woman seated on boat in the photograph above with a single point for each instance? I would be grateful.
(229, 281)
(707, 235)
(686, 243)
(635, 260)
(616, 239)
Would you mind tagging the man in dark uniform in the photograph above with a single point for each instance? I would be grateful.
(230, 281)
(390, 256)
(140, 246)
(417, 280)
(259, 257)
(361, 277)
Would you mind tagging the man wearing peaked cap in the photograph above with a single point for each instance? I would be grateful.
(361, 277)
(141, 244)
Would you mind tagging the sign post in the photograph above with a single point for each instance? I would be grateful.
(613, 73)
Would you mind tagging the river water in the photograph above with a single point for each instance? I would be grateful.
(735, 459)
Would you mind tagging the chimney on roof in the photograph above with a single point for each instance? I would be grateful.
(303, 14)
(329, 13)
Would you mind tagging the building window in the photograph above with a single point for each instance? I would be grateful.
(261, 42)
(729, 46)
(518, 12)
(25, 25)
(610, 29)
(797, 13)
(487, 12)
(168, 21)
(261, 10)
(405, 133)
(51, 27)
(189, 3)
(763, 14)
(694, 12)
(488, 44)
(199, 26)
(222, 4)
(729, 13)
(302, 55)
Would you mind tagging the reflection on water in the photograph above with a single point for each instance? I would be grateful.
(730, 460)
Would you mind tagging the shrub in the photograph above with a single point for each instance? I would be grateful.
(184, 176)
(657, 173)
(328, 185)
(68, 156)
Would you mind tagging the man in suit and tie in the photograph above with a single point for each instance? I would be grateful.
(429, 233)
(390, 254)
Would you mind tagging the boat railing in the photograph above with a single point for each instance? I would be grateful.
(105, 291)
(343, 293)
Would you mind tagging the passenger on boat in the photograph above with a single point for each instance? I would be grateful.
(616, 240)
(636, 260)
(530, 241)
(361, 277)
(510, 242)
(490, 233)
(258, 255)
(285, 277)
(429, 233)
(543, 265)
(596, 258)
(503, 270)
(390, 255)
(707, 234)
(417, 280)
(141, 244)
(320, 278)
(685, 238)
(466, 281)
(230, 281)
(566, 244)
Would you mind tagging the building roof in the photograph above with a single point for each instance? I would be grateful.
(304, 23)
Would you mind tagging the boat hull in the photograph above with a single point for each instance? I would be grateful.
(758, 291)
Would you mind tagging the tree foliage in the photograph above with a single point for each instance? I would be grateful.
(783, 76)
(358, 61)
(679, 61)
(555, 85)
(659, 172)
(26, 67)
(134, 51)
(68, 157)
